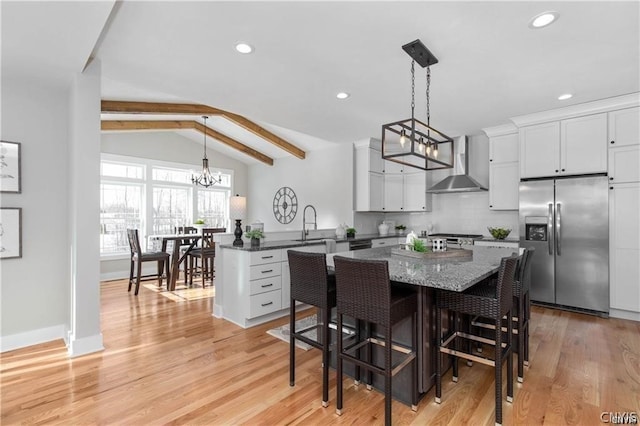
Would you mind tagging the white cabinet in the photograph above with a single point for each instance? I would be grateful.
(504, 171)
(624, 127)
(383, 185)
(567, 147)
(624, 212)
(624, 164)
(624, 246)
(382, 242)
(368, 178)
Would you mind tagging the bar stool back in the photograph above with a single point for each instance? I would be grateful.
(311, 284)
(364, 292)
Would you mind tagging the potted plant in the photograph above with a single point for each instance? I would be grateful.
(351, 232)
(199, 224)
(255, 235)
(400, 229)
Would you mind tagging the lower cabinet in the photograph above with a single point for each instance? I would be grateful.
(624, 248)
(256, 285)
(505, 244)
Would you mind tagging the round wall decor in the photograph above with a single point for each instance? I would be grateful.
(285, 205)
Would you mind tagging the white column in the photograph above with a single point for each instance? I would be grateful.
(84, 212)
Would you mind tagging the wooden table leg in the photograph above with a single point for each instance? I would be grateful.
(175, 267)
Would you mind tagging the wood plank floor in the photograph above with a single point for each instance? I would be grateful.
(169, 362)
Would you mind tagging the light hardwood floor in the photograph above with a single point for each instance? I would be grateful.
(169, 362)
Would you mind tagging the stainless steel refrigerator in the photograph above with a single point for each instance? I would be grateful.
(566, 220)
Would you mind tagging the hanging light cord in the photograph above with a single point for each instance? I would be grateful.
(428, 85)
(204, 117)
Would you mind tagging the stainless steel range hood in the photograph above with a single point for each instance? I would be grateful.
(460, 181)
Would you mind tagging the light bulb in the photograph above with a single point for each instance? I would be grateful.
(403, 138)
(420, 147)
(435, 151)
(428, 148)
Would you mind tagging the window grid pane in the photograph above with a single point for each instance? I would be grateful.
(171, 175)
(120, 209)
(133, 171)
(212, 207)
(170, 209)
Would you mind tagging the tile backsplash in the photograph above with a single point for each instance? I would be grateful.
(460, 213)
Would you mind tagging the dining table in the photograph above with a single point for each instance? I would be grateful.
(178, 246)
(427, 275)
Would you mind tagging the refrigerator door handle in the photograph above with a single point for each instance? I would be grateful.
(550, 229)
(558, 229)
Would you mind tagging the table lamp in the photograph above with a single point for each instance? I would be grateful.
(237, 211)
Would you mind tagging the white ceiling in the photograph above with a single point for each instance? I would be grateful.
(492, 66)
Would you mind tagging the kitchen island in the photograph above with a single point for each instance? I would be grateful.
(255, 289)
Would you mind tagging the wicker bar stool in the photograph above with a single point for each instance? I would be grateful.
(485, 300)
(364, 292)
(311, 284)
(522, 310)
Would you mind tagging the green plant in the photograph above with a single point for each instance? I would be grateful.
(499, 233)
(350, 230)
(199, 222)
(419, 246)
(401, 227)
(254, 233)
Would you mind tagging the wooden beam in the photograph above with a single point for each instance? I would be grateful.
(132, 125)
(127, 107)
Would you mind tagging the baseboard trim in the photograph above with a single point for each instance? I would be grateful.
(33, 337)
(84, 345)
(621, 314)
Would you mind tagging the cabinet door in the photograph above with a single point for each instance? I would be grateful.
(624, 127)
(376, 164)
(503, 186)
(393, 167)
(393, 192)
(415, 192)
(285, 285)
(376, 192)
(583, 145)
(624, 246)
(540, 150)
(624, 164)
(503, 148)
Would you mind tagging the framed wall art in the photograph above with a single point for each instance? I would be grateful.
(10, 232)
(10, 180)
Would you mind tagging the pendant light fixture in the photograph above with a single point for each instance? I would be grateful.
(412, 142)
(205, 179)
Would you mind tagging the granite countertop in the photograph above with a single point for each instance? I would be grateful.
(363, 237)
(506, 240)
(456, 274)
(272, 245)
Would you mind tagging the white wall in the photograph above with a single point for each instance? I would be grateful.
(323, 179)
(34, 297)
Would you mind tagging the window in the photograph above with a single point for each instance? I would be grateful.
(154, 197)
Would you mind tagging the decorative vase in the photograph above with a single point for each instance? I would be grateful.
(255, 242)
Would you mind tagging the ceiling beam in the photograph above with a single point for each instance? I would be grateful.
(129, 107)
(132, 125)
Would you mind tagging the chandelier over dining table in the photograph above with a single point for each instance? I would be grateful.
(412, 142)
(205, 178)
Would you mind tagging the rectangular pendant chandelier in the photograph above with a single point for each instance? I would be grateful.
(410, 141)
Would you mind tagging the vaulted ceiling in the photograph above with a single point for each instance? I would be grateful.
(492, 65)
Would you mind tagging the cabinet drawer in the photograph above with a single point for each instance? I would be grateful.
(265, 284)
(265, 256)
(264, 271)
(265, 303)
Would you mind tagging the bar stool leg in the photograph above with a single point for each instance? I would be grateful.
(339, 368)
(326, 336)
(292, 344)
(438, 355)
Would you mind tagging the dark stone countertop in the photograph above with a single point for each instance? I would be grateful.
(455, 274)
(272, 245)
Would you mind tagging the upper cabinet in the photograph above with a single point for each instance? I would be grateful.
(624, 127)
(504, 169)
(386, 186)
(566, 147)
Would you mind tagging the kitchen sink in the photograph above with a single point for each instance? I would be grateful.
(311, 239)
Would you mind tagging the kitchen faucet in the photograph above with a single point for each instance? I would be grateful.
(305, 231)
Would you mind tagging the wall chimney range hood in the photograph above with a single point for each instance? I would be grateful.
(460, 181)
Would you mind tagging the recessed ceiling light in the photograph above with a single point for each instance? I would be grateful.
(244, 48)
(543, 19)
(565, 97)
(342, 95)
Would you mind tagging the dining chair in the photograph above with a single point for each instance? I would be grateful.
(311, 283)
(180, 230)
(364, 292)
(490, 299)
(138, 258)
(206, 254)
